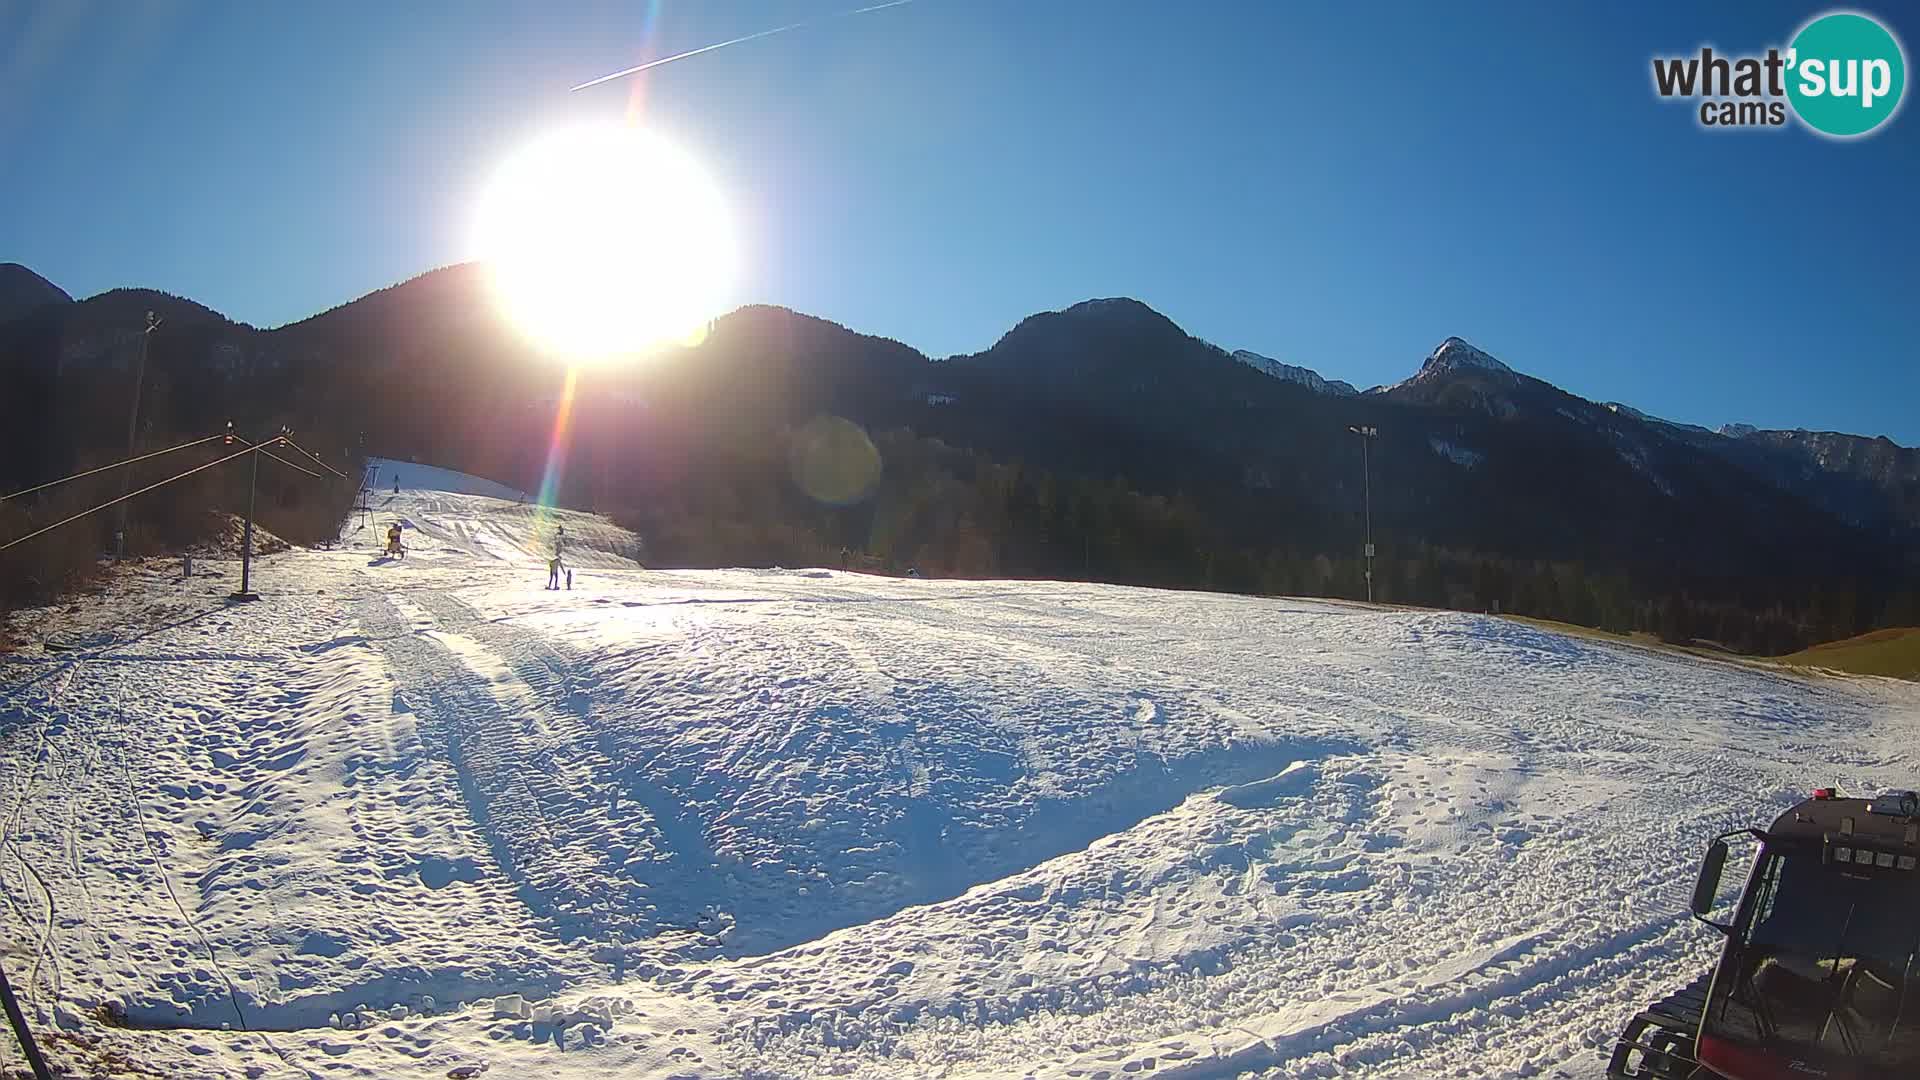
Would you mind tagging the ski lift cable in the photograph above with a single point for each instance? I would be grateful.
(314, 458)
(104, 468)
(291, 465)
(124, 498)
(262, 447)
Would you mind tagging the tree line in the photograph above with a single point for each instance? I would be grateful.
(1196, 474)
(957, 512)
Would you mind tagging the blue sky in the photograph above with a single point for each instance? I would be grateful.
(1335, 186)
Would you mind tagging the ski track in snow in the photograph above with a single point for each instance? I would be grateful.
(807, 823)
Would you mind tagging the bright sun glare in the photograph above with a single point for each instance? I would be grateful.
(604, 241)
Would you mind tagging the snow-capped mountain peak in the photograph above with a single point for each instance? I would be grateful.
(1306, 377)
(1455, 354)
(1738, 431)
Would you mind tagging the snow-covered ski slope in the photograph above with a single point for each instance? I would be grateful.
(386, 473)
(445, 515)
(805, 823)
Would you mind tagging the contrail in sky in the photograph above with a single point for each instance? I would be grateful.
(735, 41)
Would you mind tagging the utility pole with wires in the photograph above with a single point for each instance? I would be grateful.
(284, 439)
(246, 542)
(133, 426)
(1367, 435)
(228, 438)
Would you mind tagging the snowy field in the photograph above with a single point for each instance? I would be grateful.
(425, 818)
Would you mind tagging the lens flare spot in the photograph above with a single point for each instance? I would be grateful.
(834, 462)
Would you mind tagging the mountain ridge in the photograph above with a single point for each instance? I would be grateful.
(1100, 440)
(1285, 372)
(23, 292)
(1108, 388)
(1454, 353)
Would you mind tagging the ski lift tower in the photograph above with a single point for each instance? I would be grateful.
(1367, 435)
(363, 502)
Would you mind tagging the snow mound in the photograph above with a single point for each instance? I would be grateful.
(229, 536)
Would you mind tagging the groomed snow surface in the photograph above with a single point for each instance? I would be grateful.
(424, 818)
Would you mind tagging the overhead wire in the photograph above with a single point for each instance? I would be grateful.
(262, 447)
(124, 498)
(315, 458)
(289, 464)
(251, 448)
(104, 468)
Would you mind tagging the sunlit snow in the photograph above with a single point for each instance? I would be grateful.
(409, 817)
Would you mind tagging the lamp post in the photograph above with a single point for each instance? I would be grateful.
(133, 423)
(1367, 435)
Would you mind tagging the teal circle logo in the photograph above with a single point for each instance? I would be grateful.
(1846, 74)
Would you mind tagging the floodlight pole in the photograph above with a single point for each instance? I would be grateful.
(1367, 435)
(133, 425)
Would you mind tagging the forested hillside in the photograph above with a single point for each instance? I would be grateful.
(1100, 443)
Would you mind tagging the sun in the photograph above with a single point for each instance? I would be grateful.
(602, 242)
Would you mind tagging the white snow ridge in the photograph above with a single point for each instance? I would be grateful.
(424, 817)
(1306, 377)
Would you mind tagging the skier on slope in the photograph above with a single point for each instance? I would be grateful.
(553, 564)
(393, 541)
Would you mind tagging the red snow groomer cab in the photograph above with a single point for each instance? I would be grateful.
(1819, 977)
